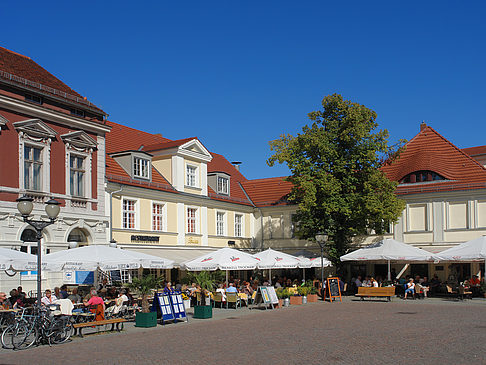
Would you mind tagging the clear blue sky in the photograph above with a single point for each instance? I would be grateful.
(237, 74)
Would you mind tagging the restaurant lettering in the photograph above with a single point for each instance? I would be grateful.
(135, 238)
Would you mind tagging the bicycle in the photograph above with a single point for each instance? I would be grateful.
(11, 327)
(41, 327)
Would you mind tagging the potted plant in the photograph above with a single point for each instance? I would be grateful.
(206, 282)
(285, 295)
(312, 296)
(144, 286)
(303, 291)
(296, 299)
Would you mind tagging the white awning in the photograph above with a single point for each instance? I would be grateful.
(178, 255)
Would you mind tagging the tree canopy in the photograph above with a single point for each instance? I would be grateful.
(335, 165)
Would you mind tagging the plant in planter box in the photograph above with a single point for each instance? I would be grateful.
(144, 286)
(206, 282)
(303, 292)
(296, 299)
(312, 296)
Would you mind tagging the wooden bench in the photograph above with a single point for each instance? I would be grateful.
(386, 292)
(114, 321)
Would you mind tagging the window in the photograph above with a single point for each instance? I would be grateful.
(219, 223)
(77, 112)
(421, 176)
(76, 165)
(128, 214)
(191, 220)
(33, 98)
(238, 225)
(191, 175)
(32, 168)
(223, 185)
(157, 217)
(140, 167)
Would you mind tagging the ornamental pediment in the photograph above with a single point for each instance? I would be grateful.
(79, 139)
(195, 149)
(35, 128)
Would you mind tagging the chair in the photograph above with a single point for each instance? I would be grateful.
(464, 294)
(217, 298)
(97, 309)
(232, 298)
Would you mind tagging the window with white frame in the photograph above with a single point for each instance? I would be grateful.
(191, 175)
(191, 220)
(32, 168)
(223, 185)
(238, 225)
(220, 223)
(76, 175)
(141, 167)
(129, 214)
(157, 217)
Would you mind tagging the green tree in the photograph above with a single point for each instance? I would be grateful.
(335, 165)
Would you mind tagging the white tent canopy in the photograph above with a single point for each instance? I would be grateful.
(388, 249)
(21, 261)
(224, 259)
(473, 250)
(106, 258)
(271, 259)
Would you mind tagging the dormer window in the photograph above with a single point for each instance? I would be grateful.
(141, 168)
(223, 185)
(421, 176)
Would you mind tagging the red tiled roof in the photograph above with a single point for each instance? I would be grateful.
(474, 151)
(428, 150)
(220, 164)
(36, 77)
(268, 192)
(168, 144)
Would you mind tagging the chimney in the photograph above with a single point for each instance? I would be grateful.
(236, 164)
(423, 126)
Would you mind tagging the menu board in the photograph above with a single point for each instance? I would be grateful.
(272, 294)
(165, 305)
(333, 288)
(263, 296)
(178, 308)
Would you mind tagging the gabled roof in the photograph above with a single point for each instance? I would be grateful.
(268, 192)
(166, 145)
(428, 150)
(23, 71)
(474, 151)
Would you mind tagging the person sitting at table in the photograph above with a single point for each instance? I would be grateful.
(231, 288)
(21, 292)
(63, 292)
(168, 288)
(97, 301)
(247, 289)
(475, 284)
(434, 284)
(57, 293)
(373, 282)
(74, 296)
(4, 302)
(410, 288)
(49, 298)
(221, 290)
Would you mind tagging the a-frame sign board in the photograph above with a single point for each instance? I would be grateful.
(263, 297)
(333, 289)
(178, 308)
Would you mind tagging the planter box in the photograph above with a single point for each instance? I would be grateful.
(295, 300)
(280, 303)
(203, 311)
(312, 298)
(146, 319)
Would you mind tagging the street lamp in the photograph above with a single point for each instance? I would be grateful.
(321, 239)
(25, 206)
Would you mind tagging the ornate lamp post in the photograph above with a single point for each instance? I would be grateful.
(25, 206)
(321, 239)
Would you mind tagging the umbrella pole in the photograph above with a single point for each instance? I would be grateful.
(303, 273)
(389, 271)
(226, 278)
(270, 276)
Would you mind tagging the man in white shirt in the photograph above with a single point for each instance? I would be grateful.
(48, 299)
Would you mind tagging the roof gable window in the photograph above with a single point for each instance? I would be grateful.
(219, 182)
(137, 164)
(421, 176)
(223, 185)
(141, 167)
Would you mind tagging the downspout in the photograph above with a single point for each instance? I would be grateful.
(254, 206)
(111, 210)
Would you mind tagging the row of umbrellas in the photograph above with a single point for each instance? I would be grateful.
(92, 257)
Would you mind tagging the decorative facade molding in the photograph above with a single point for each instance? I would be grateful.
(80, 141)
(35, 129)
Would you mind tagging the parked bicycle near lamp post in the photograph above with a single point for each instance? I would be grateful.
(41, 326)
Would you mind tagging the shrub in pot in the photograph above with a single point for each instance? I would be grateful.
(144, 286)
(206, 282)
(312, 296)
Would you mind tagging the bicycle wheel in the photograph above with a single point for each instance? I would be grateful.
(24, 336)
(60, 331)
(7, 336)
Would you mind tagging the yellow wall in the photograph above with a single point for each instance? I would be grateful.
(481, 214)
(172, 217)
(412, 237)
(457, 215)
(124, 236)
(164, 165)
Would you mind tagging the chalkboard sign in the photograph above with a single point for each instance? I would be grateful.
(333, 288)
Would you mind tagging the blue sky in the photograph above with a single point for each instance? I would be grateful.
(237, 74)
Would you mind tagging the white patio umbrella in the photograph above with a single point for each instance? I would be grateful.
(21, 261)
(316, 262)
(387, 250)
(223, 259)
(106, 258)
(474, 250)
(271, 259)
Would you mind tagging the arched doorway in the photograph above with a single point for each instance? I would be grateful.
(80, 236)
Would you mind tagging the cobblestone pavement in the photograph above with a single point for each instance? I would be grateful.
(431, 331)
